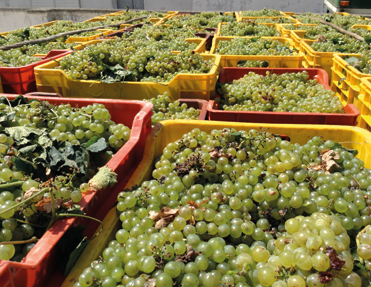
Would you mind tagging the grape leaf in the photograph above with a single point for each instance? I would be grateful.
(341, 50)
(352, 151)
(255, 39)
(351, 60)
(20, 100)
(368, 39)
(98, 146)
(24, 165)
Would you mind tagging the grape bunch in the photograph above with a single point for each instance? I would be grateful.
(25, 55)
(361, 32)
(66, 123)
(362, 64)
(162, 33)
(261, 13)
(254, 46)
(289, 92)
(276, 20)
(199, 21)
(152, 61)
(339, 43)
(312, 32)
(46, 159)
(253, 64)
(164, 109)
(213, 215)
(345, 22)
(247, 29)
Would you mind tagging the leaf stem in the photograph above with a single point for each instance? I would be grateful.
(84, 216)
(24, 201)
(53, 219)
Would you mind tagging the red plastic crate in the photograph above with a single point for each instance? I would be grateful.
(196, 104)
(230, 74)
(21, 80)
(41, 262)
(6, 279)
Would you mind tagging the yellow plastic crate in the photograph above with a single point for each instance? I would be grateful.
(314, 59)
(342, 13)
(201, 44)
(76, 39)
(248, 18)
(46, 24)
(288, 14)
(274, 61)
(287, 33)
(170, 131)
(366, 27)
(96, 19)
(364, 104)
(224, 23)
(297, 36)
(346, 80)
(184, 85)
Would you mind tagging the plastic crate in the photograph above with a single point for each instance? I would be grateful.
(201, 43)
(346, 80)
(184, 85)
(297, 37)
(314, 59)
(197, 104)
(77, 39)
(47, 24)
(366, 27)
(224, 23)
(41, 262)
(170, 131)
(96, 19)
(21, 80)
(274, 61)
(251, 18)
(364, 104)
(5, 275)
(230, 74)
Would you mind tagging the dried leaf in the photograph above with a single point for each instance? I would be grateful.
(321, 39)
(335, 262)
(30, 192)
(45, 204)
(164, 217)
(150, 283)
(325, 277)
(328, 163)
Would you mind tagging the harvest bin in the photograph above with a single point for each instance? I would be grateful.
(6, 279)
(364, 104)
(184, 85)
(198, 105)
(41, 262)
(170, 131)
(346, 79)
(230, 74)
(294, 61)
(21, 80)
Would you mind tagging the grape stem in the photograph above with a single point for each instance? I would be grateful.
(31, 240)
(84, 216)
(46, 189)
(10, 185)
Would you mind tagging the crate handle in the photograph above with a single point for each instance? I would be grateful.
(43, 94)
